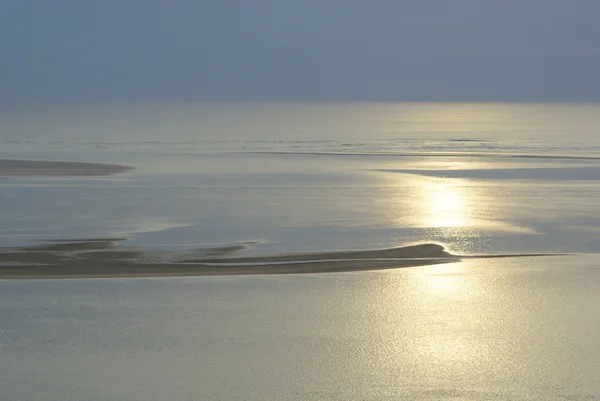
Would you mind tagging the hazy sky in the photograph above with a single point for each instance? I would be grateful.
(189, 50)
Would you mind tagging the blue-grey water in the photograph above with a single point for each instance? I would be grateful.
(478, 178)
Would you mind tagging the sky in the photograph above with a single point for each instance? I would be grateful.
(302, 50)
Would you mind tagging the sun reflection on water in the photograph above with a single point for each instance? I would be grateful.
(441, 285)
(434, 318)
(462, 214)
(440, 334)
(446, 205)
(431, 202)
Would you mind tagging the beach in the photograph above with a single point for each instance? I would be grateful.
(300, 200)
(301, 251)
(493, 329)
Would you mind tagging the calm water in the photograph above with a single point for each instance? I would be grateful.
(360, 176)
(202, 176)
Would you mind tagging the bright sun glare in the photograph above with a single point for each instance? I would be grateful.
(445, 205)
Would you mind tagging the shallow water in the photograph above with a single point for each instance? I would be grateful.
(277, 203)
(360, 176)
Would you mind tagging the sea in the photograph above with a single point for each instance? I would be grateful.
(503, 179)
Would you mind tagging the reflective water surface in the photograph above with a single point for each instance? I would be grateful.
(479, 178)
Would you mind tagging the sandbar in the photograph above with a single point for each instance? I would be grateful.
(102, 258)
(43, 168)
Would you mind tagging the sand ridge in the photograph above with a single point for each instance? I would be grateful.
(103, 258)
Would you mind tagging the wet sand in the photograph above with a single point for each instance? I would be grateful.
(103, 258)
(38, 168)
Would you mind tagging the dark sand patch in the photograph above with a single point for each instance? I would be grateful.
(33, 168)
(102, 258)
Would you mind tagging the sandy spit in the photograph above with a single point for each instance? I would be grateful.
(101, 258)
